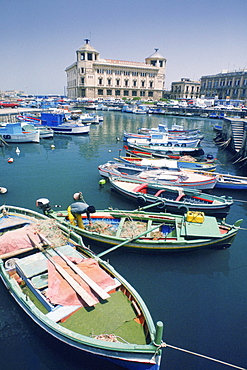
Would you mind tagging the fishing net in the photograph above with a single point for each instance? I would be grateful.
(131, 229)
(51, 231)
(187, 158)
(101, 227)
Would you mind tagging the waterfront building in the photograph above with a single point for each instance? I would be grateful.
(92, 77)
(225, 85)
(185, 89)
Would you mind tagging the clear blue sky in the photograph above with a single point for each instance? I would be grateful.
(39, 38)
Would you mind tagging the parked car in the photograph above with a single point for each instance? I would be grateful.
(9, 104)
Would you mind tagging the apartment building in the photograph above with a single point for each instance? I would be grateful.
(92, 77)
(185, 89)
(225, 85)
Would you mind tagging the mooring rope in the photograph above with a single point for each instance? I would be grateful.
(200, 355)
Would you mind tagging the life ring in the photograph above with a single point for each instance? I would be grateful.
(176, 144)
(183, 145)
(169, 143)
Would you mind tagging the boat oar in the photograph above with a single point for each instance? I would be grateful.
(128, 240)
(4, 142)
(150, 205)
(77, 288)
(83, 276)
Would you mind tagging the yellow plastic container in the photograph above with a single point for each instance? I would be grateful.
(195, 217)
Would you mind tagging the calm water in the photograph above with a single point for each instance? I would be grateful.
(200, 296)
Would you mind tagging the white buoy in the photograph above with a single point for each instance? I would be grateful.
(109, 150)
(3, 190)
(10, 160)
(17, 151)
(52, 146)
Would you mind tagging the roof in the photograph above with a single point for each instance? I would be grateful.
(87, 47)
(156, 55)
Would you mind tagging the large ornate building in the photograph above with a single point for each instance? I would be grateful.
(225, 85)
(92, 77)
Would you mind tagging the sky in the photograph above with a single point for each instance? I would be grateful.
(39, 39)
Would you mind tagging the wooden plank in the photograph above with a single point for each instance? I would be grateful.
(15, 253)
(87, 279)
(77, 288)
(84, 277)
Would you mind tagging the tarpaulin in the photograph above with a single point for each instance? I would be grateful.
(17, 239)
(60, 291)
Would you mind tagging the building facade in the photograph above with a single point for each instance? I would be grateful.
(185, 89)
(92, 77)
(225, 85)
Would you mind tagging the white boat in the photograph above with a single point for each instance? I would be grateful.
(15, 133)
(164, 139)
(175, 129)
(90, 118)
(182, 178)
(71, 129)
(59, 124)
(44, 132)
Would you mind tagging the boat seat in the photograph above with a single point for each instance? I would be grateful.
(159, 192)
(40, 281)
(142, 188)
(60, 312)
(180, 196)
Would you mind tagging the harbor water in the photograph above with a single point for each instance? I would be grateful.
(200, 296)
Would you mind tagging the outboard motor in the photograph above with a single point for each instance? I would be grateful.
(44, 204)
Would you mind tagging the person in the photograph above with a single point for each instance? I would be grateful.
(78, 208)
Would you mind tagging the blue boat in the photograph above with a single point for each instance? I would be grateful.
(60, 125)
(16, 133)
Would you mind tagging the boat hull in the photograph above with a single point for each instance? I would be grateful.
(29, 137)
(168, 150)
(71, 129)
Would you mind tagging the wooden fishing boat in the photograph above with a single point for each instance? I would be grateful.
(170, 136)
(172, 199)
(175, 129)
(183, 162)
(164, 140)
(145, 231)
(164, 150)
(146, 154)
(172, 177)
(60, 125)
(73, 294)
(227, 181)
